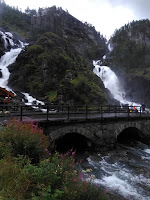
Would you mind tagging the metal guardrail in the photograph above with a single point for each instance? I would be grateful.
(55, 112)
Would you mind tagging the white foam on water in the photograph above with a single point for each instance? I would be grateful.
(119, 186)
(117, 178)
(146, 157)
(7, 59)
(31, 99)
(147, 151)
(110, 47)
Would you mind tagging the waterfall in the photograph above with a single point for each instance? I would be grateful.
(112, 83)
(9, 58)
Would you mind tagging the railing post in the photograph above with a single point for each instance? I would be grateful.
(140, 111)
(128, 112)
(47, 113)
(68, 112)
(101, 112)
(20, 113)
(86, 112)
(115, 111)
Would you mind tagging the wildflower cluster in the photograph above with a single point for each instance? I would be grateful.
(23, 139)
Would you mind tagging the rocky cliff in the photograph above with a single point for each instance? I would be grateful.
(83, 36)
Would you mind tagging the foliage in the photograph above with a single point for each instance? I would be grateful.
(88, 89)
(49, 62)
(23, 139)
(55, 178)
(56, 47)
(52, 96)
(131, 46)
(14, 20)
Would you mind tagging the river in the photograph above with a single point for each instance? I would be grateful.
(125, 171)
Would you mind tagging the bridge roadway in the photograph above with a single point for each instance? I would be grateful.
(68, 116)
(100, 127)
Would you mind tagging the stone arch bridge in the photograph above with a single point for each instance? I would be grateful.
(101, 132)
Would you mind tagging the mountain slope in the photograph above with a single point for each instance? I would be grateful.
(52, 68)
(130, 59)
(57, 64)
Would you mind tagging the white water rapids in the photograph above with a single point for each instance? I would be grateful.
(125, 172)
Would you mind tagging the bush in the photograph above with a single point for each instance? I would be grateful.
(55, 178)
(24, 175)
(26, 139)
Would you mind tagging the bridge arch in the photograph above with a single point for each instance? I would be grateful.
(73, 141)
(122, 126)
(72, 137)
(61, 132)
(129, 135)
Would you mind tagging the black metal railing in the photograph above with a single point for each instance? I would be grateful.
(67, 112)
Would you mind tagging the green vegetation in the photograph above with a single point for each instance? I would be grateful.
(52, 96)
(54, 69)
(57, 54)
(131, 48)
(52, 176)
(12, 19)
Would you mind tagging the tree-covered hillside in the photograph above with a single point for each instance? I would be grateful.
(52, 68)
(57, 63)
(130, 58)
(13, 20)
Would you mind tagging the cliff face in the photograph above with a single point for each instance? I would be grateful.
(130, 59)
(83, 36)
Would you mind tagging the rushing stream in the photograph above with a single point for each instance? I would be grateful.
(125, 171)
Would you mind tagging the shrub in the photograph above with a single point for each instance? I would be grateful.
(23, 139)
(54, 178)
(15, 182)
(23, 175)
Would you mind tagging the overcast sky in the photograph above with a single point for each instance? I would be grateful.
(105, 15)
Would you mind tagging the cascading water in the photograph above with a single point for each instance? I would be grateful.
(111, 82)
(9, 58)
